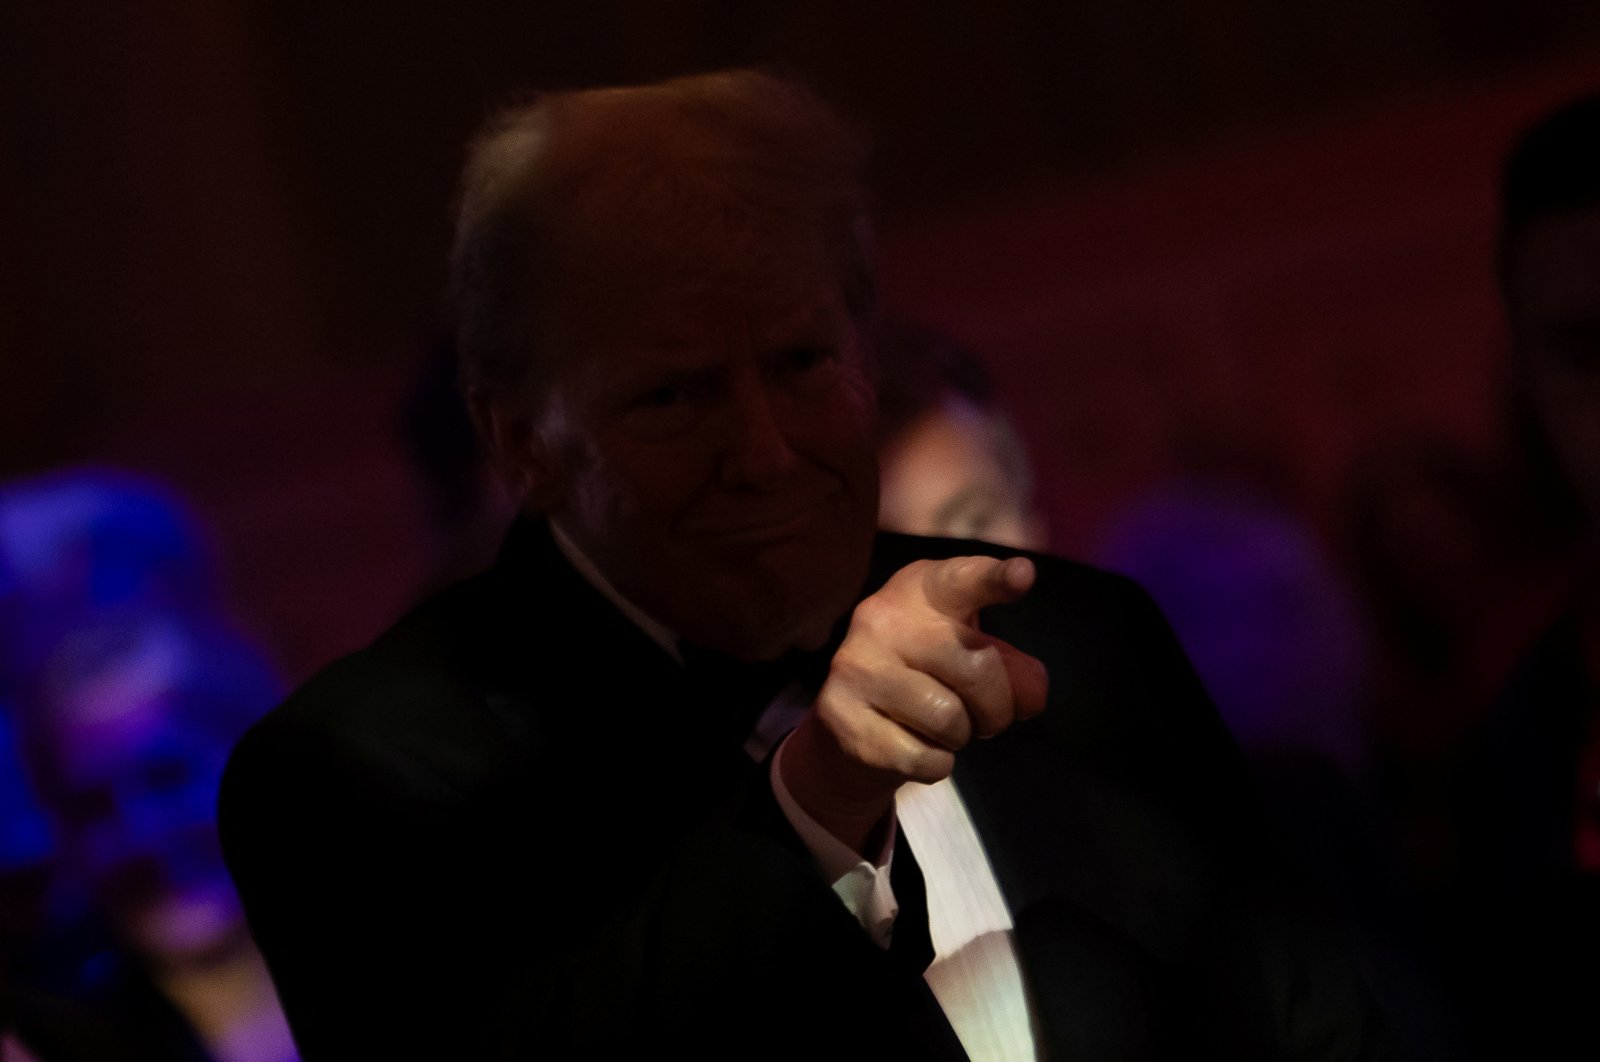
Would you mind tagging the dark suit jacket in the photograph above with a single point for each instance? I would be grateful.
(514, 825)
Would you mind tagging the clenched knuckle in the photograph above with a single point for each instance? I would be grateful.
(944, 712)
(981, 664)
(843, 715)
(873, 616)
(829, 710)
(875, 755)
(849, 667)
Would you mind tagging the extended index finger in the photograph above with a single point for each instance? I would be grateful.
(961, 586)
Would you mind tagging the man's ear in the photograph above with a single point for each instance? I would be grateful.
(518, 451)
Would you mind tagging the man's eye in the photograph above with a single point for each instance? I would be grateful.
(666, 409)
(799, 362)
(665, 396)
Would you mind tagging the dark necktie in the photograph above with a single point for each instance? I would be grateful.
(910, 943)
(735, 692)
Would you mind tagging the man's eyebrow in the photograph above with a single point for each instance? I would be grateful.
(663, 356)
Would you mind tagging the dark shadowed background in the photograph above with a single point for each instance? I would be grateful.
(1233, 235)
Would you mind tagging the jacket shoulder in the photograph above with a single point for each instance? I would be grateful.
(414, 698)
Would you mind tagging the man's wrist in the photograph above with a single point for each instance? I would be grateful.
(859, 820)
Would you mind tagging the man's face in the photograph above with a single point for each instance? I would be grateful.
(1555, 296)
(708, 446)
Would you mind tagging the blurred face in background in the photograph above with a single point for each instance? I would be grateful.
(949, 473)
(1555, 316)
(134, 791)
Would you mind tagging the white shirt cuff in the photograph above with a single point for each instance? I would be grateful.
(862, 887)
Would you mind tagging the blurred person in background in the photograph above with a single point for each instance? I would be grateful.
(1276, 631)
(1261, 609)
(1526, 927)
(1269, 621)
(1461, 560)
(124, 687)
(72, 541)
(951, 463)
(125, 733)
(85, 538)
(465, 505)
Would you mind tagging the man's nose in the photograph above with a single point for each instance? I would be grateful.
(758, 453)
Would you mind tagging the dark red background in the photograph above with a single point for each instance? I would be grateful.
(1234, 227)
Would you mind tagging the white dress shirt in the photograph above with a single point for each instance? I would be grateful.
(975, 975)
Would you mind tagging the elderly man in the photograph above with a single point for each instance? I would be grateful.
(554, 810)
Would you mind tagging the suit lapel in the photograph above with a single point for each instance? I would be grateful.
(602, 710)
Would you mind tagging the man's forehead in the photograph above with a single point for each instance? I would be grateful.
(772, 302)
(720, 246)
(689, 317)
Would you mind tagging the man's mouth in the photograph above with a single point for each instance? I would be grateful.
(774, 529)
(758, 528)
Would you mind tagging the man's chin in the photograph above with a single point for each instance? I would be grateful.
(761, 633)
(754, 646)
(758, 608)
